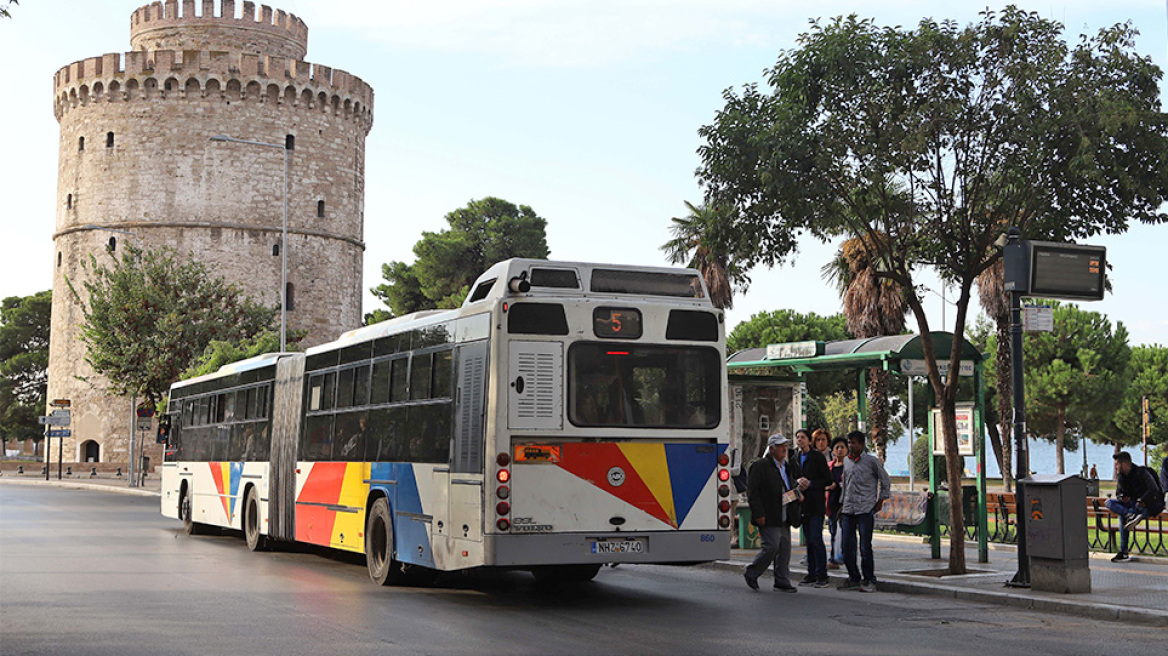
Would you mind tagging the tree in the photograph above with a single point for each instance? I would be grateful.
(148, 316)
(873, 306)
(995, 300)
(1075, 375)
(696, 242)
(220, 352)
(780, 326)
(928, 143)
(5, 12)
(1149, 377)
(24, 364)
(840, 412)
(482, 233)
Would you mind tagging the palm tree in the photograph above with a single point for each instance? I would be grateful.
(873, 306)
(696, 242)
(996, 302)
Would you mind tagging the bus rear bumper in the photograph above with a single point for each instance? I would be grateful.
(582, 548)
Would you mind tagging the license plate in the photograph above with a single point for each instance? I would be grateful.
(637, 545)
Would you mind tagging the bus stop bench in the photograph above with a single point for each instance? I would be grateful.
(906, 512)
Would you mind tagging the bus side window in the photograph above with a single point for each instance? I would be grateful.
(318, 438)
(387, 435)
(420, 377)
(399, 382)
(380, 383)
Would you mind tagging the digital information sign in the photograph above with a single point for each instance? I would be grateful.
(1053, 270)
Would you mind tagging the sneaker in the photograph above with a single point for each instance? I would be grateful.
(785, 588)
(1121, 558)
(822, 583)
(806, 582)
(848, 585)
(750, 582)
(1133, 519)
(868, 586)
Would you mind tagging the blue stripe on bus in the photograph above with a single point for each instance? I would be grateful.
(408, 534)
(690, 468)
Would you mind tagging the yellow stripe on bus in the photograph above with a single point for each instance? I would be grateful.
(349, 527)
(648, 460)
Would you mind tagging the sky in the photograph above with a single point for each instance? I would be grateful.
(585, 110)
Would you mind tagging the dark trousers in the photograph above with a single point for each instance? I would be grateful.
(862, 524)
(835, 555)
(1125, 509)
(816, 552)
(776, 550)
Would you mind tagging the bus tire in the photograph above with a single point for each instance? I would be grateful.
(185, 513)
(256, 541)
(379, 553)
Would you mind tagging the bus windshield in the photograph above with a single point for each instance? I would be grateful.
(634, 386)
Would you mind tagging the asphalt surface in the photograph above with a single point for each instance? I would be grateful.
(92, 572)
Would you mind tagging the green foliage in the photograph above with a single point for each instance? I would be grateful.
(148, 316)
(24, 364)
(1075, 375)
(482, 233)
(781, 326)
(1149, 377)
(5, 12)
(220, 352)
(698, 242)
(840, 413)
(377, 316)
(920, 458)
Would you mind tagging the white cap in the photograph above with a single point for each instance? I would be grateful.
(778, 439)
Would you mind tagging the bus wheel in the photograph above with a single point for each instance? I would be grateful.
(383, 569)
(251, 522)
(190, 526)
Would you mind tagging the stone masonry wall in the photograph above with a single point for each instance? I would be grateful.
(135, 156)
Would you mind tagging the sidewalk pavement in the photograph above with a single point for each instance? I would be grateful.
(151, 487)
(1135, 591)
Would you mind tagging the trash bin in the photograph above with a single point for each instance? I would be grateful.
(1056, 532)
(747, 532)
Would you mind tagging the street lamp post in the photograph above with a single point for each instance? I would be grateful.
(286, 146)
(131, 469)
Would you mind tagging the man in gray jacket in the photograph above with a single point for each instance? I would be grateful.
(865, 487)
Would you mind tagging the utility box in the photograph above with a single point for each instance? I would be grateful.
(1056, 533)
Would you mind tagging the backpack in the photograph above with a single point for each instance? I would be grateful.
(1158, 489)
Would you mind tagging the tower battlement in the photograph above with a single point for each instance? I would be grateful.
(121, 77)
(162, 26)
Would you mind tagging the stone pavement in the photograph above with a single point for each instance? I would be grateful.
(1135, 591)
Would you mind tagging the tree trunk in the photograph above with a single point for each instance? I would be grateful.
(1060, 432)
(1005, 403)
(878, 410)
(996, 444)
(953, 467)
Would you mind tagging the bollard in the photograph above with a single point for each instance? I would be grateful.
(119, 474)
(93, 471)
(69, 470)
(45, 469)
(20, 469)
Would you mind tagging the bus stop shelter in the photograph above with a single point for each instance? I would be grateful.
(898, 354)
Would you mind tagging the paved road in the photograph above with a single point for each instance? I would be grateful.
(93, 572)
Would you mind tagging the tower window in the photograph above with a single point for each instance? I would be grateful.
(290, 296)
(320, 209)
(69, 202)
(290, 142)
(113, 244)
(109, 139)
(275, 250)
(80, 143)
(58, 259)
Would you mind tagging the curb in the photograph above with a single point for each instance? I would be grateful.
(1111, 612)
(77, 485)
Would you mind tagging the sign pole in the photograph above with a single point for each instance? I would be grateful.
(60, 455)
(48, 454)
(1021, 458)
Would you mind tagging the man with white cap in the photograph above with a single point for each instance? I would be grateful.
(774, 490)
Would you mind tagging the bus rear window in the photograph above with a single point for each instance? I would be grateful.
(631, 386)
(647, 283)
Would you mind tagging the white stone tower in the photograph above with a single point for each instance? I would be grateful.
(135, 157)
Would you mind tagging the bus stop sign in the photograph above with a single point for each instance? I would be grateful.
(1052, 270)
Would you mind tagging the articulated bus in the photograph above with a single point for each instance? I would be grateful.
(567, 416)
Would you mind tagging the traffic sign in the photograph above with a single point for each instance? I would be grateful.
(60, 413)
(61, 403)
(53, 421)
(145, 410)
(60, 433)
(145, 424)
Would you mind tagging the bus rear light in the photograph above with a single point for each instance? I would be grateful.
(502, 508)
(723, 490)
(503, 492)
(503, 459)
(503, 475)
(724, 459)
(503, 524)
(723, 474)
(724, 506)
(723, 521)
